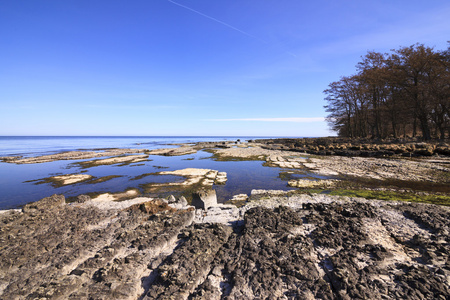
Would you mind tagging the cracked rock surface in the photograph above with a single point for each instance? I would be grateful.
(297, 247)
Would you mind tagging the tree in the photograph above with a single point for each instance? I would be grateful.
(393, 94)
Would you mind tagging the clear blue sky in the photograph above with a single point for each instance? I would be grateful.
(197, 67)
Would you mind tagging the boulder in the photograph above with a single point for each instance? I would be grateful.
(82, 198)
(55, 201)
(204, 199)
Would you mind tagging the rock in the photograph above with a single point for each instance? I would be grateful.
(239, 197)
(153, 207)
(82, 198)
(53, 202)
(180, 203)
(71, 155)
(182, 200)
(190, 264)
(204, 199)
(221, 178)
(171, 199)
(221, 213)
(304, 183)
(279, 246)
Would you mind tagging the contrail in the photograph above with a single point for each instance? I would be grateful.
(218, 21)
(227, 25)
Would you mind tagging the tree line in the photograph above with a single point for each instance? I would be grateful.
(405, 93)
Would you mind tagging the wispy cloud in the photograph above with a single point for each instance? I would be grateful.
(292, 120)
(131, 107)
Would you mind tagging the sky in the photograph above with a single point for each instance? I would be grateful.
(192, 67)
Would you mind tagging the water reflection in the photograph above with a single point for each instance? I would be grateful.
(18, 188)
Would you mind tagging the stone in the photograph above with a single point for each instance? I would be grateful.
(172, 199)
(239, 197)
(82, 198)
(280, 246)
(221, 178)
(182, 200)
(53, 202)
(204, 199)
(304, 183)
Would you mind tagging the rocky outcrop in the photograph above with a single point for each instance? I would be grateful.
(276, 246)
(359, 147)
(74, 155)
(304, 183)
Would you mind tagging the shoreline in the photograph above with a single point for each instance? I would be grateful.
(395, 174)
(326, 238)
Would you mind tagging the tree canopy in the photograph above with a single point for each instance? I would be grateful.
(402, 93)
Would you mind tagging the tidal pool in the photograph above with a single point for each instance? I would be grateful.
(21, 184)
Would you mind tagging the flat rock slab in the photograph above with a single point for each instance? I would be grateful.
(205, 177)
(70, 155)
(71, 178)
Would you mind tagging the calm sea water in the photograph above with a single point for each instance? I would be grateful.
(18, 183)
(37, 145)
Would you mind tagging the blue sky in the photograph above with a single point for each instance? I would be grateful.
(197, 67)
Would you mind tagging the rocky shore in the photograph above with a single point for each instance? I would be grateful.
(308, 243)
(360, 147)
(276, 246)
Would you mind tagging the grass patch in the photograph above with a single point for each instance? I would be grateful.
(408, 196)
(355, 183)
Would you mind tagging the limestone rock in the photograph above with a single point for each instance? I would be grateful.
(53, 202)
(239, 197)
(82, 198)
(278, 246)
(304, 183)
(203, 199)
(221, 178)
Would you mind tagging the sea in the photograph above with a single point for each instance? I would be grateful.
(24, 183)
